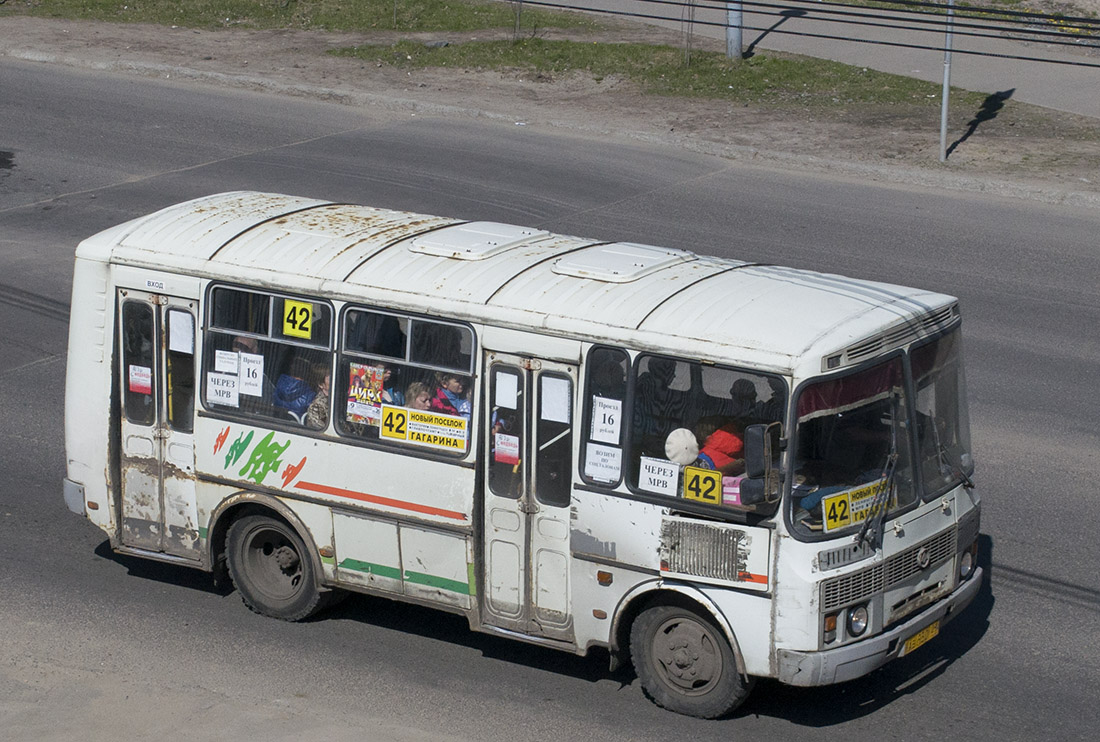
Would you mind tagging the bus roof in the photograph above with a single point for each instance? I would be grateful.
(652, 297)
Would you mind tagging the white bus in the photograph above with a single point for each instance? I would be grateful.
(717, 470)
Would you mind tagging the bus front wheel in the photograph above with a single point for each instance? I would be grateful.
(685, 663)
(271, 568)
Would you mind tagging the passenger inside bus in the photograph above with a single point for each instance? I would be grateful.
(293, 390)
(722, 444)
(317, 413)
(418, 395)
(658, 408)
(451, 396)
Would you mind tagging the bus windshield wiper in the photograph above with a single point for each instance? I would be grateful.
(873, 522)
(954, 469)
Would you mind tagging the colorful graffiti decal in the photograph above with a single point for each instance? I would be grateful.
(220, 440)
(291, 472)
(237, 449)
(264, 459)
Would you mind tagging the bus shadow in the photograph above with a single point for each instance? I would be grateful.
(163, 572)
(810, 707)
(430, 623)
(831, 705)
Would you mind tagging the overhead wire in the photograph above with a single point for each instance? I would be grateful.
(929, 17)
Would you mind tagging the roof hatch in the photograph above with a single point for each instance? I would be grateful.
(474, 240)
(619, 262)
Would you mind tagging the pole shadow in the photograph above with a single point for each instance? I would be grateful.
(750, 50)
(991, 106)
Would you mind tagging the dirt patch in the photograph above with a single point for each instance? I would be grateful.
(1023, 151)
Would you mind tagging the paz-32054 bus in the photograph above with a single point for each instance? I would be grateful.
(718, 470)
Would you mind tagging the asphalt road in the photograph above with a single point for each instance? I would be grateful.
(95, 646)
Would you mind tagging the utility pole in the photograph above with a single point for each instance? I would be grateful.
(733, 30)
(946, 79)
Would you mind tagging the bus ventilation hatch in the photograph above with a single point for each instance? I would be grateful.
(895, 337)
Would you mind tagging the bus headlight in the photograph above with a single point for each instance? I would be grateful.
(857, 620)
(967, 560)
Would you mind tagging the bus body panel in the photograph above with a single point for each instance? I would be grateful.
(88, 391)
(565, 554)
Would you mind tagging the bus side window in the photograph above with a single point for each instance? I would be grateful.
(180, 377)
(390, 361)
(268, 356)
(507, 435)
(554, 440)
(137, 363)
(604, 409)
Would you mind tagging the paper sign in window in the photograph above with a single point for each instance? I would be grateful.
(659, 476)
(252, 374)
(365, 393)
(607, 415)
(506, 448)
(181, 332)
(555, 399)
(141, 379)
(222, 389)
(507, 390)
(226, 361)
(603, 463)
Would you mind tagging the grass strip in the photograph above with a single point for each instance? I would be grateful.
(660, 70)
(330, 15)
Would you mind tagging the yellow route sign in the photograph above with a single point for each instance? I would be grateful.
(297, 319)
(703, 485)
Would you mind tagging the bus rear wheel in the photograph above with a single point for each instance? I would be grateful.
(272, 569)
(685, 663)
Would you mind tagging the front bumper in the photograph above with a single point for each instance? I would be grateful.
(856, 660)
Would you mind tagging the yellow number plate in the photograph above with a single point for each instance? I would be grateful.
(703, 485)
(395, 422)
(849, 507)
(298, 319)
(921, 637)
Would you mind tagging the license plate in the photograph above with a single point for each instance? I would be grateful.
(921, 637)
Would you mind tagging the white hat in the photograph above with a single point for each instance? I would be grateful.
(681, 446)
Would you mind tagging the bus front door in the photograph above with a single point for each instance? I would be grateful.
(529, 457)
(157, 393)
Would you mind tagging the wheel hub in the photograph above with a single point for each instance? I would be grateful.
(286, 558)
(687, 653)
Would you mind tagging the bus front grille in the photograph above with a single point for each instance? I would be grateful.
(858, 586)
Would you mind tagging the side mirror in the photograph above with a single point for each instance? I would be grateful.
(758, 451)
(761, 483)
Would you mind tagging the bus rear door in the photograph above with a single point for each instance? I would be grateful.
(157, 391)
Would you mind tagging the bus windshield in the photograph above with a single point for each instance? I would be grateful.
(943, 428)
(848, 429)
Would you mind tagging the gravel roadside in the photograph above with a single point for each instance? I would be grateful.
(1023, 152)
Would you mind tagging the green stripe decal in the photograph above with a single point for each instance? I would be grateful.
(442, 583)
(417, 578)
(374, 569)
(204, 532)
